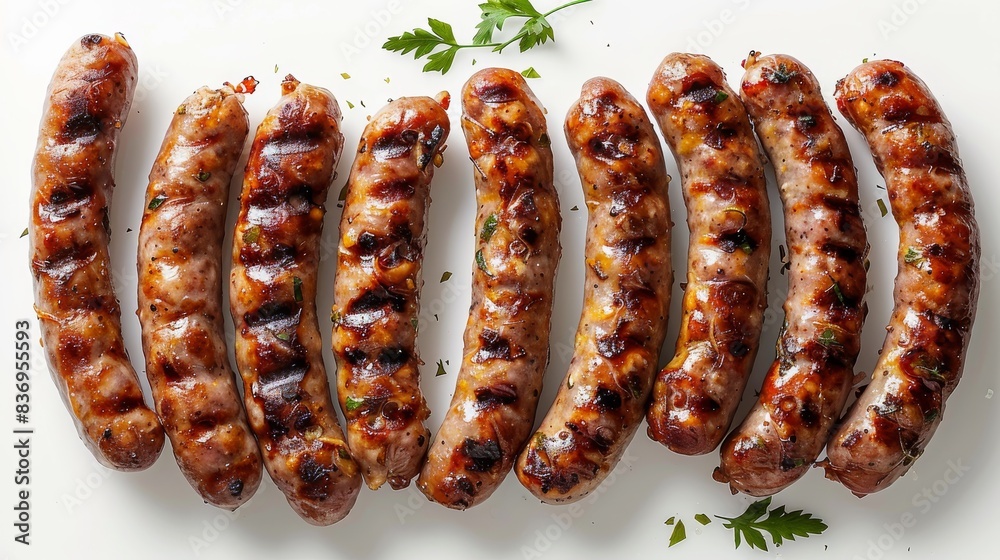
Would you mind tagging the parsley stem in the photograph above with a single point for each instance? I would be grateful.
(498, 47)
(566, 5)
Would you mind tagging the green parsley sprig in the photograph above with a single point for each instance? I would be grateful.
(779, 523)
(535, 30)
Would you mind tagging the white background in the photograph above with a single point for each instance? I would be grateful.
(81, 510)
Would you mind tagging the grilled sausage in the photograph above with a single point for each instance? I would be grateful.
(377, 288)
(72, 184)
(180, 298)
(273, 302)
(807, 386)
(704, 123)
(937, 286)
(507, 335)
(626, 298)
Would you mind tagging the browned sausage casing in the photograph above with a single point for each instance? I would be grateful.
(937, 286)
(180, 298)
(600, 404)
(507, 335)
(273, 302)
(806, 387)
(72, 183)
(376, 293)
(704, 123)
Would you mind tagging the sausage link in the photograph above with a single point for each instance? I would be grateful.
(69, 231)
(273, 302)
(706, 126)
(382, 236)
(601, 403)
(507, 335)
(807, 386)
(937, 285)
(180, 298)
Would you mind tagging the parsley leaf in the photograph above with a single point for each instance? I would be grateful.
(440, 371)
(779, 523)
(535, 30)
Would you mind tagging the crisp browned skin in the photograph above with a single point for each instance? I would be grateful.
(180, 298)
(377, 289)
(507, 335)
(937, 285)
(601, 402)
(273, 302)
(72, 183)
(806, 387)
(704, 123)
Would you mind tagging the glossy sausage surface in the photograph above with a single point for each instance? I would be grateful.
(276, 250)
(69, 231)
(807, 386)
(602, 400)
(382, 236)
(937, 284)
(507, 335)
(722, 175)
(180, 297)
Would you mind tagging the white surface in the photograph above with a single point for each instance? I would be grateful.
(82, 510)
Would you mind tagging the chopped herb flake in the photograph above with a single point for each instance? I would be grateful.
(157, 201)
(835, 287)
(913, 256)
(829, 338)
(481, 263)
(881, 207)
(345, 75)
(702, 518)
(530, 72)
(251, 235)
(575, 208)
(297, 288)
(25, 232)
(204, 176)
(489, 227)
(353, 404)
(720, 96)
(440, 370)
(782, 75)
(678, 534)
(445, 276)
